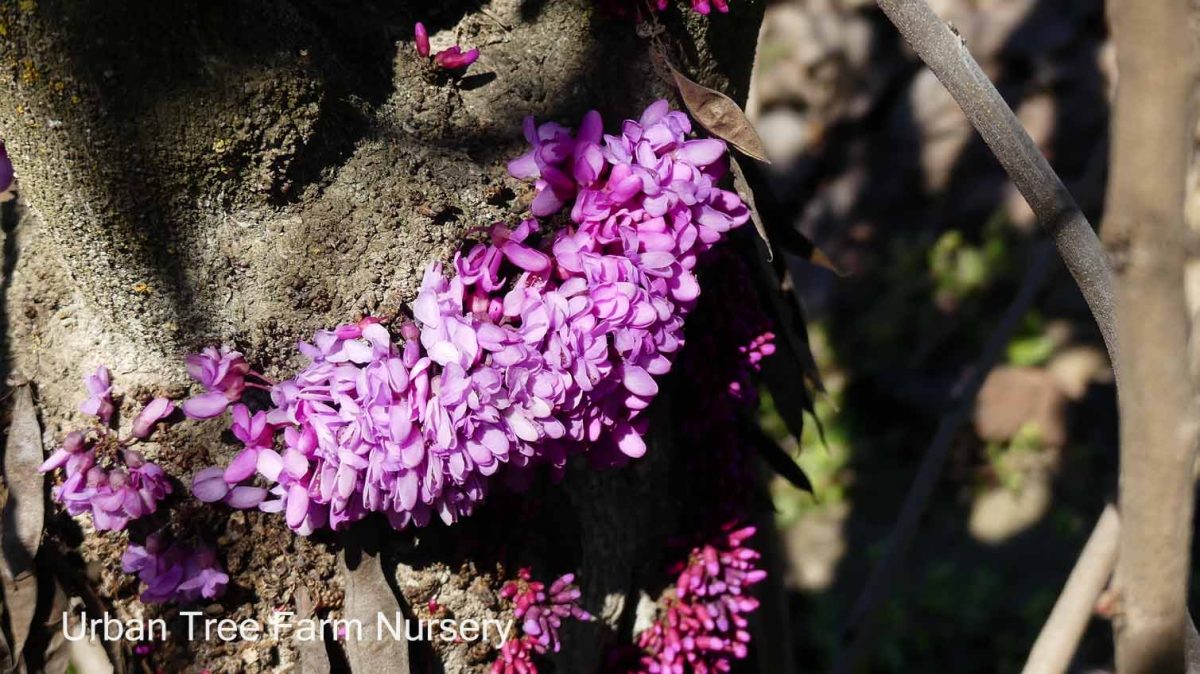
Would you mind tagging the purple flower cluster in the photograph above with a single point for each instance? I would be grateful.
(175, 571)
(451, 58)
(703, 628)
(105, 476)
(541, 611)
(222, 372)
(117, 492)
(527, 354)
(114, 496)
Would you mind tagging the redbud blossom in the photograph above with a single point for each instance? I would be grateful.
(528, 349)
(422, 39)
(454, 58)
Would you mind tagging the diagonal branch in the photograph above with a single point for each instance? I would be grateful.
(1057, 212)
(857, 634)
(1059, 638)
(946, 55)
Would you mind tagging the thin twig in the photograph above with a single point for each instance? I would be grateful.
(856, 635)
(1059, 639)
(946, 55)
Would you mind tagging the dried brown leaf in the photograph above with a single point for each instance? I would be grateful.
(310, 653)
(24, 517)
(369, 595)
(52, 654)
(720, 116)
(742, 187)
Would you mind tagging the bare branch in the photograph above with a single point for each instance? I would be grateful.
(1059, 638)
(946, 55)
(856, 634)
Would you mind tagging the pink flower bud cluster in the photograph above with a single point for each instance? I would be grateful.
(704, 628)
(451, 58)
(124, 489)
(106, 476)
(637, 9)
(541, 611)
(175, 571)
(532, 351)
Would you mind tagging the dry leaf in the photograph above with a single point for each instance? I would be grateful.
(773, 220)
(368, 595)
(742, 187)
(720, 116)
(55, 655)
(24, 517)
(310, 653)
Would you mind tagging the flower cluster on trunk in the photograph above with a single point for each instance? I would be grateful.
(702, 626)
(541, 612)
(106, 476)
(535, 348)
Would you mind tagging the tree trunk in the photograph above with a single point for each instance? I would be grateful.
(1144, 229)
(246, 173)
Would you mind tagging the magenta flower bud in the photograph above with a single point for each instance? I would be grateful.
(152, 413)
(6, 170)
(209, 485)
(454, 58)
(99, 403)
(422, 38)
(245, 497)
(205, 405)
(409, 331)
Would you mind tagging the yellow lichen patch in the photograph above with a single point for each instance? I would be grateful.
(27, 6)
(220, 145)
(142, 288)
(29, 72)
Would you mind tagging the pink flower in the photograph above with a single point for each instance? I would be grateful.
(634, 9)
(209, 485)
(454, 58)
(704, 627)
(541, 346)
(99, 403)
(223, 374)
(422, 38)
(154, 411)
(541, 611)
(6, 175)
(451, 58)
(175, 571)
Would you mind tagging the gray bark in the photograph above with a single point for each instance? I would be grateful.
(1144, 230)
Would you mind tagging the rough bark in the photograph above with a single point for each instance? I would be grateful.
(247, 173)
(1145, 232)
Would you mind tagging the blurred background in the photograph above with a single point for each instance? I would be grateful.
(886, 176)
